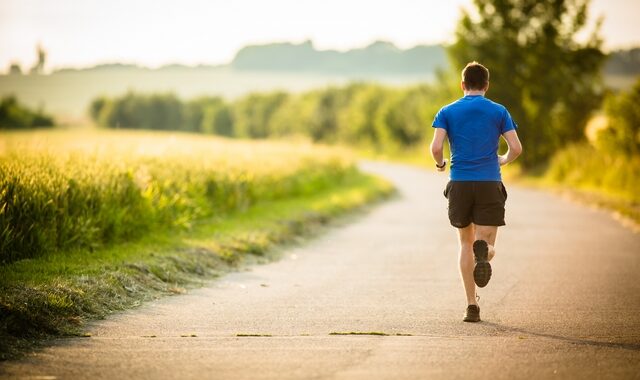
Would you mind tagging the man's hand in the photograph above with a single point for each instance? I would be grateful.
(441, 167)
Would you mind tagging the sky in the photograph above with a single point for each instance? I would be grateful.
(81, 33)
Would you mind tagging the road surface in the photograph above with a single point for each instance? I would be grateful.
(563, 302)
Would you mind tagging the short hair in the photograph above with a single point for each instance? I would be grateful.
(475, 76)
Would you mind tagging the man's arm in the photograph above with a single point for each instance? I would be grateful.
(437, 147)
(515, 147)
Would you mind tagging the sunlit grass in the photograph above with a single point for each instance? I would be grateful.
(64, 189)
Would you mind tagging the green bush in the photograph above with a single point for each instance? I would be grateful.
(14, 115)
(623, 114)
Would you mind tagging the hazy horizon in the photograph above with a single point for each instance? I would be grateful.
(197, 32)
(213, 64)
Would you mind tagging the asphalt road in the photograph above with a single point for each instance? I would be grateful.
(563, 302)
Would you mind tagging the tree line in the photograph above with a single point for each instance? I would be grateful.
(360, 114)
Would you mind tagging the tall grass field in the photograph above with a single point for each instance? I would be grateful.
(60, 190)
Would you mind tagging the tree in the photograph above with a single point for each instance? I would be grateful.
(217, 118)
(295, 116)
(15, 69)
(549, 82)
(406, 113)
(360, 121)
(38, 68)
(324, 122)
(14, 115)
(96, 106)
(253, 113)
(161, 111)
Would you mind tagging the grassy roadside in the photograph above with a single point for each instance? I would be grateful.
(61, 190)
(624, 208)
(55, 294)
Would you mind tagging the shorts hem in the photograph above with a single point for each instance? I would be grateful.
(490, 224)
(480, 224)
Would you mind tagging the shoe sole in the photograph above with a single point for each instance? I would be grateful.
(482, 271)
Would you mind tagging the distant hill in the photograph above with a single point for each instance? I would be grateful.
(132, 67)
(380, 57)
(623, 62)
(101, 67)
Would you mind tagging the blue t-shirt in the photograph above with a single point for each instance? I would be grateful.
(474, 125)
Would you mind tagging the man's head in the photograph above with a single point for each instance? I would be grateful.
(475, 77)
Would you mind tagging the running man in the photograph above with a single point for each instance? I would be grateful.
(473, 124)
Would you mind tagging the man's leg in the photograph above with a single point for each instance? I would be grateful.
(488, 234)
(466, 237)
(483, 252)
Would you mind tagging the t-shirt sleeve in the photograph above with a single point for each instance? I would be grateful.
(507, 123)
(440, 121)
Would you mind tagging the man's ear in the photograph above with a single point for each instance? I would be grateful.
(487, 87)
(462, 86)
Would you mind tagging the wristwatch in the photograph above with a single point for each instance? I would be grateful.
(444, 163)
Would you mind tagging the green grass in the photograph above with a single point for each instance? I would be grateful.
(622, 208)
(57, 293)
(607, 180)
(64, 189)
(584, 167)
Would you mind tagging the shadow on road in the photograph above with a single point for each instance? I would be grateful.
(509, 329)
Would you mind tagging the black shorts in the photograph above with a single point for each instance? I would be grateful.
(478, 202)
